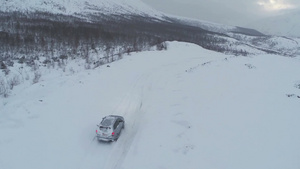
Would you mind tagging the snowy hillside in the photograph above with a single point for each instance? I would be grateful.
(273, 44)
(73, 7)
(283, 25)
(215, 27)
(186, 107)
(81, 8)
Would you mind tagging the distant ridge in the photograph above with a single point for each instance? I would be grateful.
(73, 7)
(215, 27)
(84, 8)
(283, 25)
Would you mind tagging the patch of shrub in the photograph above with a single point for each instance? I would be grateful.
(62, 57)
(162, 46)
(21, 60)
(37, 76)
(4, 91)
(297, 85)
(14, 82)
(250, 66)
(46, 61)
(10, 63)
(3, 65)
(6, 71)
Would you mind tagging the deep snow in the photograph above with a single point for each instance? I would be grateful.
(186, 107)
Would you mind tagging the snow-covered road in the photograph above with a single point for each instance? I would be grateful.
(184, 108)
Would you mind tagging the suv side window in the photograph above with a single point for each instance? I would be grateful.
(116, 123)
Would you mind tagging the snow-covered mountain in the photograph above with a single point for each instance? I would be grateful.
(116, 21)
(284, 25)
(215, 27)
(111, 7)
(73, 7)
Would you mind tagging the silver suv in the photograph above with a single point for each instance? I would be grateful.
(110, 128)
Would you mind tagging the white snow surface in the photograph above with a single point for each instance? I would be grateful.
(71, 7)
(186, 107)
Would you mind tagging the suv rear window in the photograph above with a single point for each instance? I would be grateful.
(107, 121)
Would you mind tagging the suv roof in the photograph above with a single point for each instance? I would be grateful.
(109, 120)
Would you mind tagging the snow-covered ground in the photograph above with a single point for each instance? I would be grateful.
(186, 107)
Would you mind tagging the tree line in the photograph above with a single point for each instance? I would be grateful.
(29, 36)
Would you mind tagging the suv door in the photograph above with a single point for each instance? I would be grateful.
(116, 124)
(118, 128)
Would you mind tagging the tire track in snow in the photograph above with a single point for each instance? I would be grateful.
(110, 155)
(131, 108)
(94, 152)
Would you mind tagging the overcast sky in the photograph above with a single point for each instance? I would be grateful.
(230, 12)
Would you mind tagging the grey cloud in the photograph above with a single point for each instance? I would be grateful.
(232, 12)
